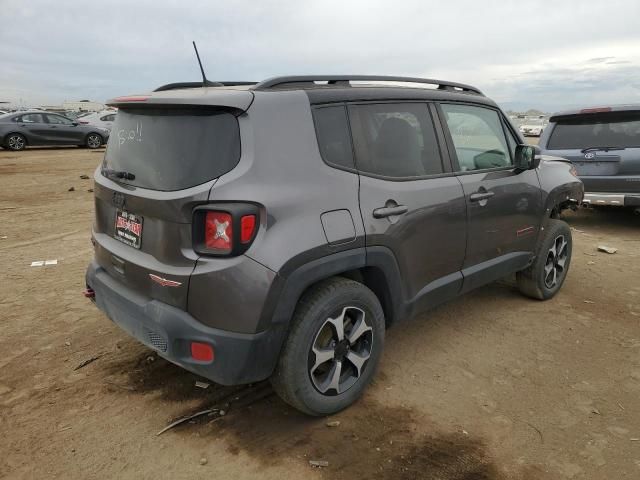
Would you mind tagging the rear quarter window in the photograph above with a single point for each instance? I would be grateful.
(334, 139)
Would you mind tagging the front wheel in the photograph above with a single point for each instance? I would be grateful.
(94, 141)
(544, 277)
(333, 349)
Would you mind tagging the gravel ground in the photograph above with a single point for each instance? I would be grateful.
(490, 386)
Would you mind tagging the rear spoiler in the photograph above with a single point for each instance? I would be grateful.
(238, 100)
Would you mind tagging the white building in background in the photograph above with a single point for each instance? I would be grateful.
(83, 106)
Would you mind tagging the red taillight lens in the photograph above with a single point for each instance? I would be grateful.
(202, 352)
(218, 233)
(247, 227)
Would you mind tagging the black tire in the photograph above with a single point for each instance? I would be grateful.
(545, 276)
(15, 142)
(299, 379)
(93, 141)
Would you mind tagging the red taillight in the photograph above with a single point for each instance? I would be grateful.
(247, 227)
(596, 110)
(218, 233)
(202, 352)
(132, 98)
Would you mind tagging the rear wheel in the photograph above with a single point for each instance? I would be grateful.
(543, 279)
(333, 348)
(94, 141)
(16, 142)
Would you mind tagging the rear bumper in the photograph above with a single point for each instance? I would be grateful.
(238, 357)
(614, 199)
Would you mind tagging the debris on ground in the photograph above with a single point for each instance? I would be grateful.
(333, 423)
(41, 263)
(591, 263)
(71, 189)
(84, 177)
(90, 190)
(318, 463)
(203, 461)
(604, 248)
(186, 419)
(200, 384)
(3, 237)
(588, 301)
(67, 344)
(87, 362)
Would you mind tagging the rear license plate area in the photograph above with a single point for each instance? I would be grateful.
(128, 228)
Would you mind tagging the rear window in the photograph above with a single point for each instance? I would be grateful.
(616, 129)
(171, 149)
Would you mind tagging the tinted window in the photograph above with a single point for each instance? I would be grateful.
(58, 120)
(172, 149)
(332, 130)
(395, 140)
(478, 137)
(31, 118)
(614, 129)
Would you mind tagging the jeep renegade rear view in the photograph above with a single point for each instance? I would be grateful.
(275, 230)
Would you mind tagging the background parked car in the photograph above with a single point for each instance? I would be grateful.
(19, 129)
(102, 119)
(530, 129)
(604, 146)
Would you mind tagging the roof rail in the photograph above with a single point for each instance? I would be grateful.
(178, 85)
(309, 80)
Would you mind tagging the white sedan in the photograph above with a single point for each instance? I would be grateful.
(531, 130)
(102, 119)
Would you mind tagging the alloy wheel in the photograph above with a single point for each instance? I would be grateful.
(554, 268)
(340, 351)
(16, 142)
(94, 141)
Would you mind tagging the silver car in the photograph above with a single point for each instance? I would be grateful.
(102, 119)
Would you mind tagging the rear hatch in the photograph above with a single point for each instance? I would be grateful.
(604, 147)
(162, 160)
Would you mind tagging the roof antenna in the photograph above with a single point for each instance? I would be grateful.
(204, 77)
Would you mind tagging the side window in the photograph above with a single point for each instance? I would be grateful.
(332, 130)
(478, 137)
(32, 118)
(395, 140)
(108, 118)
(58, 120)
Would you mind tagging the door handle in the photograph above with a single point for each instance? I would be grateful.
(390, 211)
(479, 196)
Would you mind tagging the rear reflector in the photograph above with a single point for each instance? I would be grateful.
(218, 233)
(595, 110)
(89, 293)
(247, 227)
(202, 352)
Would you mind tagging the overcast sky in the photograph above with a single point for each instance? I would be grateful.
(540, 54)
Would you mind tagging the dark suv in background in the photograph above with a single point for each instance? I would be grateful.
(603, 143)
(275, 230)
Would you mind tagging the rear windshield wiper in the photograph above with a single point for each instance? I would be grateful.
(109, 173)
(604, 149)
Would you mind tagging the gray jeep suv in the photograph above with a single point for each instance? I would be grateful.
(275, 230)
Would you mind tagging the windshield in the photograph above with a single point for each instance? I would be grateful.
(607, 130)
(171, 149)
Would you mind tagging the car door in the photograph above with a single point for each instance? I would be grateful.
(410, 201)
(34, 128)
(504, 204)
(107, 121)
(63, 131)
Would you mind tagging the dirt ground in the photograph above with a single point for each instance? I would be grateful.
(491, 386)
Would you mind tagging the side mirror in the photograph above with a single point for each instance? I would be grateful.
(526, 157)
